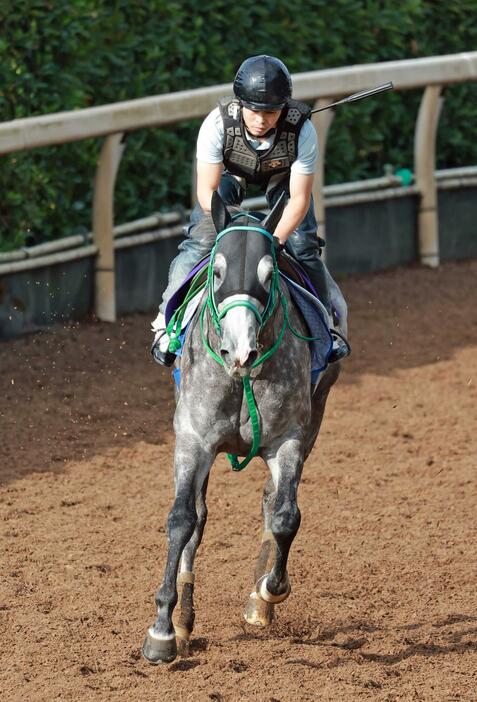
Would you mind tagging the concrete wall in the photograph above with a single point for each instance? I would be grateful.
(37, 298)
(458, 224)
(371, 236)
(141, 275)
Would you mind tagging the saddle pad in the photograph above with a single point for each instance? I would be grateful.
(178, 297)
(316, 318)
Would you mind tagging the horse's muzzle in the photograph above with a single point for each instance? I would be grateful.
(238, 359)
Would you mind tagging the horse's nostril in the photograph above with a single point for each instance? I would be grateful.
(225, 354)
(252, 357)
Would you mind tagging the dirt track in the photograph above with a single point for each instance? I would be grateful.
(384, 597)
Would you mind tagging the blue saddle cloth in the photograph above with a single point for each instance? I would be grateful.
(311, 309)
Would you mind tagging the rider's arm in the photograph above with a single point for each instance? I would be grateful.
(209, 157)
(208, 180)
(297, 206)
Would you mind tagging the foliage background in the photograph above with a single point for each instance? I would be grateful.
(60, 55)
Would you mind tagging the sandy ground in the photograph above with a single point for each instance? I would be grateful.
(383, 570)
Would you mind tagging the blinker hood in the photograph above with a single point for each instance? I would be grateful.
(243, 251)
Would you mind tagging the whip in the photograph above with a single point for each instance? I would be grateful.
(358, 96)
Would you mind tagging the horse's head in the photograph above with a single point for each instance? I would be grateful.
(243, 282)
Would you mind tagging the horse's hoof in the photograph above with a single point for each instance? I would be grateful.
(258, 612)
(158, 650)
(266, 595)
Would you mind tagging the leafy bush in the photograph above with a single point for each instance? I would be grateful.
(57, 55)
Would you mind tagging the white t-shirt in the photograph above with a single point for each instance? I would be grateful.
(211, 140)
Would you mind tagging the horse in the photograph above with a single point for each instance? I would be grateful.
(245, 390)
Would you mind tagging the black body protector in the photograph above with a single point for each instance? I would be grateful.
(259, 166)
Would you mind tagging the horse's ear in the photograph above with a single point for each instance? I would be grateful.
(274, 216)
(220, 214)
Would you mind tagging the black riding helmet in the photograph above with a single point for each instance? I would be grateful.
(263, 83)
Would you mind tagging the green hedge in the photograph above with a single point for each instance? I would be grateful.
(59, 55)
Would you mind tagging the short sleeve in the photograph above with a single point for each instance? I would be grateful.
(307, 156)
(211, 138)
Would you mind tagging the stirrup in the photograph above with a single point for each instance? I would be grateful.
(341, 348)
(164, 358)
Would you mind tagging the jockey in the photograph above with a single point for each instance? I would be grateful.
(260, 136)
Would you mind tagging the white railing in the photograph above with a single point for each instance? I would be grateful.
(321, 87)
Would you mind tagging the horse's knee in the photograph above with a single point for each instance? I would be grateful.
(285, 521)
(202, 513)
(182, 518)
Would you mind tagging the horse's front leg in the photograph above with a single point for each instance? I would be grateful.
(184, 614)
(191, 467)
(286, 464)
(257, 611)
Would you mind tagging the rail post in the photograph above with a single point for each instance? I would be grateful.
(322, 122)
(103, 221)
(424, 167)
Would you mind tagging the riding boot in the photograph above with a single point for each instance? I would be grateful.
(305, 246)
(316, 272)
(160, 346)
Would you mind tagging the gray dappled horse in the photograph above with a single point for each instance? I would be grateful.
(223, 354)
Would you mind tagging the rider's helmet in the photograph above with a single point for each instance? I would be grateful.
(263, 83)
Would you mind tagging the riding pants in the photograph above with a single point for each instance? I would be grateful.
(303, 243)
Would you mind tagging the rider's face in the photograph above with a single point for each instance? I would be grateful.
(259, 122)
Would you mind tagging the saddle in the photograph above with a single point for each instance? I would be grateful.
(293, 270)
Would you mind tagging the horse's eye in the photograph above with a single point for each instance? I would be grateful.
(217, 274)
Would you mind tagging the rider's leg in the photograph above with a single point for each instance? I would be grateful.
(200, 238)
(304, 245)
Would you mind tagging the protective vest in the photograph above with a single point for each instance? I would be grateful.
(259, 166)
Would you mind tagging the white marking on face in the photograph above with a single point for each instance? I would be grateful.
(240, 328)
(239, 332)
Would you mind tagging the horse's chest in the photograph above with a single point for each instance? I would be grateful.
(219, 411)
(277, 409)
